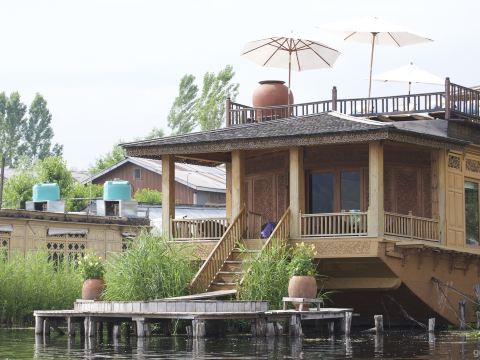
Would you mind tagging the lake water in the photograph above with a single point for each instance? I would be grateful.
(22, 344)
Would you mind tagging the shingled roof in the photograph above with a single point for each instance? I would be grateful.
(323, 128)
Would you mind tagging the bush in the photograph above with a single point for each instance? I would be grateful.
(78, 190)
(91, 267)
(151, 268)
(18, 189)
(148, 196)
(267, 278)
(34, 283)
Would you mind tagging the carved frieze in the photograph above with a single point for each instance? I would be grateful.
(454, 162)
(472, 165)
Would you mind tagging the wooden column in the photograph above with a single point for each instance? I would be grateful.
(376, 191)
(296, 190)
(228, 194)
(441, 193)
(168, 192)
(238, 182)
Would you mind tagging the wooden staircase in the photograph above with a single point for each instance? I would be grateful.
(224, 268)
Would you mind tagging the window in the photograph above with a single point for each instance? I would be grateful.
(335, 191)
(322, 192)
(137, 174)
(472, 213)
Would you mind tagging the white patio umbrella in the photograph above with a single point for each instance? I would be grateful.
(290, 52)
(375, 31)
(411, 74)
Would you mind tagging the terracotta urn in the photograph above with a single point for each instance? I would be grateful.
(271, 93)
(302, 287)
(92, 289)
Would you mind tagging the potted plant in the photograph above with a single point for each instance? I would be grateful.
(302, 270)
(92, 270)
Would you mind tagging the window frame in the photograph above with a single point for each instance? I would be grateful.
(135, 174)
(476, 181)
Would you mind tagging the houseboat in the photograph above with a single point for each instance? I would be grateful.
(385, 188)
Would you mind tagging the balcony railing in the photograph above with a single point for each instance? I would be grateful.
(333, 224)
(458, 100)
(198, 229)
(411, 227)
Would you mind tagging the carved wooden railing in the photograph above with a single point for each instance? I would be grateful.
(458, 100)
(212, 265)
(197, 229)
(412, 227)
(281, 233)
(333, 224)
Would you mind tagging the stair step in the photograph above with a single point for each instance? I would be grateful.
(230, 272)
(224, 283)
(245, 250)
(233, 262)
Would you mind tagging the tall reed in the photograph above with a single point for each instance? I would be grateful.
(32, 282)
(151, 268)
(266, 276)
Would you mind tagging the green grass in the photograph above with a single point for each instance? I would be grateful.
(267, 278)
(152, 268)
(31, 282)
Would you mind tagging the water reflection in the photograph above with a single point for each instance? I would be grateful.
(23, 344)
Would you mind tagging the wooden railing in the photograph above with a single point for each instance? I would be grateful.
(333, 224)
(198, 229)
(456, 99)
(412, 227)
(464, 102)
(207, 272)
(281, 233)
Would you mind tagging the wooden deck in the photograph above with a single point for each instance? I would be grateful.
(90, 317)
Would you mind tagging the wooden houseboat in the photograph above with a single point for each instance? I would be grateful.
(385, 188)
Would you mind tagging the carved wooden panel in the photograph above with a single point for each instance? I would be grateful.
(282, 194)
(264, 197)
(455, 162)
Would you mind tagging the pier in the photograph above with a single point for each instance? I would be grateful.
(92, 317)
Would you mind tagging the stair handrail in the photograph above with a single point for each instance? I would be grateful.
(281, 232)
(214, 262)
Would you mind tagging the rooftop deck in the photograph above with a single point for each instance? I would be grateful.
(456, 102)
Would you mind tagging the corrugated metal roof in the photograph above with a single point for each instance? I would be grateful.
(197, 177)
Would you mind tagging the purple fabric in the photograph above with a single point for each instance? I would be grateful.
(267, 230)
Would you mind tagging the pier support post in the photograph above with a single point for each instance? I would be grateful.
(46, 327)
(259, 327)
(331, 328)
(431, 325)
(38, 325)
(478, 319)
(270, 329)
(378, 324)
(140, 322)
(295, 326)
(116, 331)
(70, 327)
(347, 323)
(198, 328)
(90, 327)
(461, 314)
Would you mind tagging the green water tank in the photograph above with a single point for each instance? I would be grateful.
(116, 190)
(46, 192)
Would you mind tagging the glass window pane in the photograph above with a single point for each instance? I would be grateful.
(350, 190)
(321, 192)
(472, 214)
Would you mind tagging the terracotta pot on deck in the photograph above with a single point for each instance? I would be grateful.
(92, 289)
(271, 93)
(302, 287)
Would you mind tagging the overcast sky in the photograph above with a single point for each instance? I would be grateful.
(110, 69)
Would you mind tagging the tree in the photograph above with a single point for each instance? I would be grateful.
(37, 142)
(18, 189)
(210, 107)
(54, 169)
(12, 126)
(82, 192)
(114, 156)
(155, 133)
(181, 118)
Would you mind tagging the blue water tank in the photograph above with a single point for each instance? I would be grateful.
(46, 192)
(116, 190)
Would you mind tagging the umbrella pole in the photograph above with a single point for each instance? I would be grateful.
(289, 75)
(371, 64)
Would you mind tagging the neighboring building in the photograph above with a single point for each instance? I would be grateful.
(194, 184)
(65, 235)
(390, 202)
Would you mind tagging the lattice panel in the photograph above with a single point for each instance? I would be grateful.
(472, 165)
(4, 241)
(70, 246)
